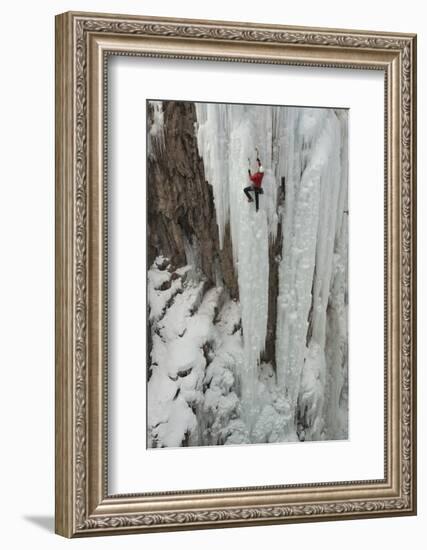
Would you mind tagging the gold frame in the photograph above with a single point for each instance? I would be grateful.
(83, 43)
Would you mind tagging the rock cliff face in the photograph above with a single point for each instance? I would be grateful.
(181, 213)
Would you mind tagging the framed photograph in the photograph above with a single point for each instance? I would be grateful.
(235, 274)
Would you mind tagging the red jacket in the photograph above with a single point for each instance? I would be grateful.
(257, 178)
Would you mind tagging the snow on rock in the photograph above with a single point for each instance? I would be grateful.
(196, 349)
(161, 288)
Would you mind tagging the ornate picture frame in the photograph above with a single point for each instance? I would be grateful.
(84, 43)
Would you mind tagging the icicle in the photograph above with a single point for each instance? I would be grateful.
(156, 134)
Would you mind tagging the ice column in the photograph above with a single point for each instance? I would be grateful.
(309, 226)
(227, 137)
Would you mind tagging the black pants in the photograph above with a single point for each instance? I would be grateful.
(257, 191)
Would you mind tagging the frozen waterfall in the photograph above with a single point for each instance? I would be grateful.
(307, 148)
(248, 332)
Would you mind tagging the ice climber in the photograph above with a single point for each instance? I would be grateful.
(256, 180)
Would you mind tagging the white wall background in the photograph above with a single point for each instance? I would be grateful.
(27, 273)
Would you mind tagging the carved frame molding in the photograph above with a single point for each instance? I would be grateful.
(83, 43)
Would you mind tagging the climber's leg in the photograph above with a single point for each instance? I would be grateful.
(246, 191)
(256, 199)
